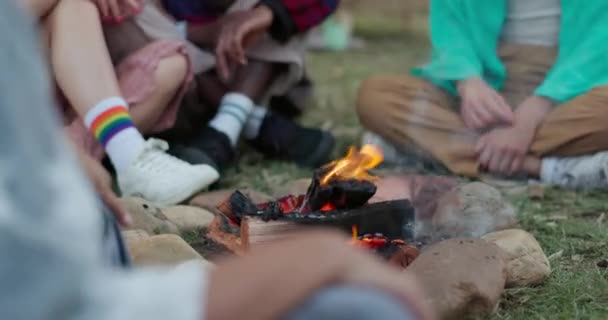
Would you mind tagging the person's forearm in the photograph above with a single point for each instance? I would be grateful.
(532, 112)
(261, 286)
(461, 85)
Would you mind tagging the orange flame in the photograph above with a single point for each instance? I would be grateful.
(355, 165)
(355, 232)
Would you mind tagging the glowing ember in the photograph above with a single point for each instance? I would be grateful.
(328, 207)
(355, 232)
(355, 165)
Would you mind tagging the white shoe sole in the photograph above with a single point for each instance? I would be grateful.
(208, 176)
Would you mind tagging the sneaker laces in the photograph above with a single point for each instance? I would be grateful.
(154, 158)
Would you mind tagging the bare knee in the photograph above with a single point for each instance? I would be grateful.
(170, 74)
(38, 8)
(85, 10)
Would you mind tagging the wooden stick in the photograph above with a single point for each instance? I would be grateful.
(231, 241)
(256, 231)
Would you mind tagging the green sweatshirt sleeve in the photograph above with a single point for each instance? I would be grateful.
(457, 32)
(582, 63)
(453, 56)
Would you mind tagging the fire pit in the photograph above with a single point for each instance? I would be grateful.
(337, 197)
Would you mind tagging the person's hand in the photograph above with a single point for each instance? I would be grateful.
(482, 106)
(503, 150)
(239, 31)
(102, 182)
(116, 11)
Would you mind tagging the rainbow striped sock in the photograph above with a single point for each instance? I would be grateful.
(111, 124)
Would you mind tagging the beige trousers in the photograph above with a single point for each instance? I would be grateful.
(413, 113)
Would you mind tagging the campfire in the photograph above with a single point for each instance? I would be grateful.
(337, 197)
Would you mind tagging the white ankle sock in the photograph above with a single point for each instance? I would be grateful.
(547, 169)
(254, 122)
(111, 124)
(232, 115)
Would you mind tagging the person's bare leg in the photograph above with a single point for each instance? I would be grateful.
(169, 77)
(211, 89)
(38, 8)
(79, 55)
(254, 79)
(84, 72)
(270, 134)
(248, 86)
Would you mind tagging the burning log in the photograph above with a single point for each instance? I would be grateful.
(338, 198)
(393, 219)
(255, 231)
(345, 183)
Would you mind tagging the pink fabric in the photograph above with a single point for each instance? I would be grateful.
(136, 79)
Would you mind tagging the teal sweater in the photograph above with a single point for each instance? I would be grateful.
(465, 35)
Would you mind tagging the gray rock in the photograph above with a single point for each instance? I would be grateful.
(162, 250)
(189, 217)
(470, 210)
(134, 235)
(527, 263)
(146, 216)
(461, 277)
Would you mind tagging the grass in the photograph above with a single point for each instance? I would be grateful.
(567, 224)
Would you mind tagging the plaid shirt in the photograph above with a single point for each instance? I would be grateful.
(294, 16)
(290, 16)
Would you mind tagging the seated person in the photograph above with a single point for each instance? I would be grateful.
(54, 266)
(515, 88)
(150, 80)
(242, 52)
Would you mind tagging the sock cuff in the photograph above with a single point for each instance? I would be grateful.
(103, 106)
(238, 99)
(258, 112)
(547, 169)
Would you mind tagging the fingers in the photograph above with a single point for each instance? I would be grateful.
(476, 115)
(114, 204)
(485, 117)
(134, 5)
(469, 116)
(516, 165)
(485, 157)
(501, 109)
(504, 162)
(237, 45)
(114, 9)
(103, 9)
(221, 55)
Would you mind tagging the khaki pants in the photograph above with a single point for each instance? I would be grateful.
(412, 113)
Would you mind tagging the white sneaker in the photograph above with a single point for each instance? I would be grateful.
(392, 156)
(164, 179)
(584, 172)
(395, 156)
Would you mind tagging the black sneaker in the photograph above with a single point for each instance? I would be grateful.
(216, 145)
(293, 103)
(284, 139)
